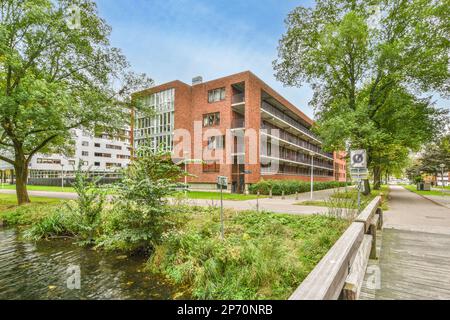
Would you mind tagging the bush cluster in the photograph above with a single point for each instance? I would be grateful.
(131, 219)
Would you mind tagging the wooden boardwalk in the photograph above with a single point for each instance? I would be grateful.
(412, 264)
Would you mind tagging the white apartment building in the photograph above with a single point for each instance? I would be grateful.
(100, 154)
(444, 179)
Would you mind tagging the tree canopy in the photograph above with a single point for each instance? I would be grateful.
(433, 155)
(55, 76)
(372, 66)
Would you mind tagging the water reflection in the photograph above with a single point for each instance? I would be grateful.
(39, 271)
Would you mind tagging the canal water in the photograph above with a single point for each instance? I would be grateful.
(50, 269)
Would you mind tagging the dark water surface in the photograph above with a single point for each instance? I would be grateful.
(39, 270)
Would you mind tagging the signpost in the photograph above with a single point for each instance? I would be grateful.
(222, 181)
(358, 170)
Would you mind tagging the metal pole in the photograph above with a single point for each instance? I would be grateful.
(257, 201)
(185, 174)
(185, 178)
(221, 211)
(442, 178)
(359, 195)
(312, 176)
(62, 176)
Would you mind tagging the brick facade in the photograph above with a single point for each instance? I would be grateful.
(191, 104)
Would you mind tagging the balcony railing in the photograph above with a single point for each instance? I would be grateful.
(238, 123)
(274, 111)
(238, 98)
(295, 140)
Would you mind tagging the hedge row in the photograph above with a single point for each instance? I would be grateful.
(291, 186)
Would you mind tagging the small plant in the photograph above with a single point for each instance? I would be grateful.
(89, 204)
(137, 219)
(79, 219)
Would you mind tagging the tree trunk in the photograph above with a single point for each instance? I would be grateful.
(21, 169)
(376, 177)
(366, 188)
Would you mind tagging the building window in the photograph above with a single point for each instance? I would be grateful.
(122, 156)
(85, 153)
(97, 145)
(110, 165)
(211, 119)
(97, 164)
(72, 162)
(216, 95)
(112, 146)
(216, 142)
(48, 161)
(85, 143)
(103, 155)
(211, 166)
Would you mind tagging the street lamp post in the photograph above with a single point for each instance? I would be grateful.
(312, 173)
(62, 176)
(442, 176)
(185, 153)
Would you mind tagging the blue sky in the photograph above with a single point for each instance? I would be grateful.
(181, 39)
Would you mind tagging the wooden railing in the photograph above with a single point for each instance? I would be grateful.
(340, 273)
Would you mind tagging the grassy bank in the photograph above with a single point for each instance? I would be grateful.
(348, 199)
(263, 256)
(15, 215)
(413, 188)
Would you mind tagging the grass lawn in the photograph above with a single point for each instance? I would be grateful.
(13, 214)
(413, 188)
(263, 255)
(216, 196)
(39, 188)
(348, 199)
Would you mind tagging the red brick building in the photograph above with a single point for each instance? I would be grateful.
(235, 126)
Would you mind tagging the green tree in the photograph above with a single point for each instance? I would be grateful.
(56, 76)
(370, 64)
(433, 155)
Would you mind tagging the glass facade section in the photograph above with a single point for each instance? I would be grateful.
(156, 132)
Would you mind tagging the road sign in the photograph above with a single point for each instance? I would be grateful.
(358, 174)
(358, 159)
(222, 181)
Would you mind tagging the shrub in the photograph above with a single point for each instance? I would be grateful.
(291, 186)
(136, 221)
(79, 218)
(56, 224)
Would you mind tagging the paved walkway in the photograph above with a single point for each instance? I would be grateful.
(414, 262)
(412, 212)
(442, 200)
(276, 204)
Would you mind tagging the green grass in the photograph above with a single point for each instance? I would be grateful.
(27, 214)
(322, 203)
(413, 188)
(348, 199)
(263, 256)
(216, 195)
(39, 188)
